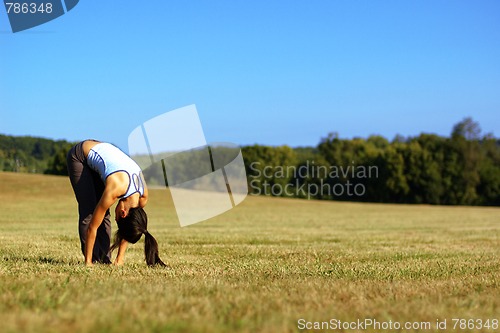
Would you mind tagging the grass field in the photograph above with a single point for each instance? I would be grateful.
(258, 268)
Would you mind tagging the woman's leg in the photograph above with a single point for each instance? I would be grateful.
(103, 237)
(88, 189)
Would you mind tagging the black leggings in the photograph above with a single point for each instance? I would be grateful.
(88, 188)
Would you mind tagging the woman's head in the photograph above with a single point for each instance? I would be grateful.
(131, 228)
(124, 206)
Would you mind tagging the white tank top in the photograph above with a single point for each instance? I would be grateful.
(106, 159)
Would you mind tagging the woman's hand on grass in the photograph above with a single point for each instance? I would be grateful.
(117, 262)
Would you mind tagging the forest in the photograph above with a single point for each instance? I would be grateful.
(461, 169)
(33, 155)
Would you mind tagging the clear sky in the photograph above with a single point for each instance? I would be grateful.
(268, 72)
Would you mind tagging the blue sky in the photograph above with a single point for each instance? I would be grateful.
(267, 72)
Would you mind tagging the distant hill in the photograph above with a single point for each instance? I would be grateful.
(462, 169)
(30, 154)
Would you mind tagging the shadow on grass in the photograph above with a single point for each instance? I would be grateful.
(38, 260)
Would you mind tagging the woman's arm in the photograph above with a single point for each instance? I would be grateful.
(99, 212)
(121, 253)
(143, 200)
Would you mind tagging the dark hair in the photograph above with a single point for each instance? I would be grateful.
(131, 228)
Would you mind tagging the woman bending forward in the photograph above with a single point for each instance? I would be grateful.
(101, 174)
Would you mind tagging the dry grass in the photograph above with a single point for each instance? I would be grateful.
(258, 268)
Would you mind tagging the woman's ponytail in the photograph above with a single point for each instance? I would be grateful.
(151, 250)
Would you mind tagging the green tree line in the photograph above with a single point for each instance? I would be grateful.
(33, 155)
(462, 169)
